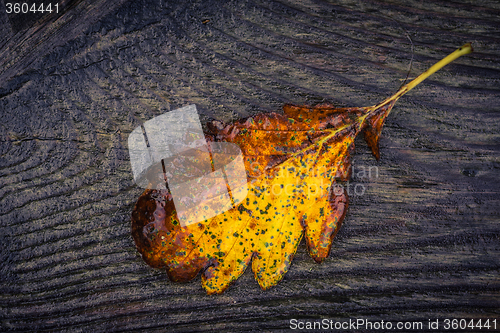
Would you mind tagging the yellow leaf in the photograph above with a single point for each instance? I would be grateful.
(293, 162)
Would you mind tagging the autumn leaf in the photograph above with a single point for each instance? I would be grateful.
(294, 163)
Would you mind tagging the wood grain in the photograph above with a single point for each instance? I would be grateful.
(421, 242)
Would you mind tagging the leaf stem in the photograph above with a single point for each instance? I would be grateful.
(463, 50)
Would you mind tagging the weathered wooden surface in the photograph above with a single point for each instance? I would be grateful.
(421, 242)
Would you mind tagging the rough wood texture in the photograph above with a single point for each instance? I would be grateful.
(421, 242)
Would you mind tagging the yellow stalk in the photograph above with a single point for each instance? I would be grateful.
(465, 49)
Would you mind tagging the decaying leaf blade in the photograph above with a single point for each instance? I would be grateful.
(275, 209)
(293, 162)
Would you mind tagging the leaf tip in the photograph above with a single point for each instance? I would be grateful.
(372, 139)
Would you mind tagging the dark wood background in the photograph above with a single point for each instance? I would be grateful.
(421, 242)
